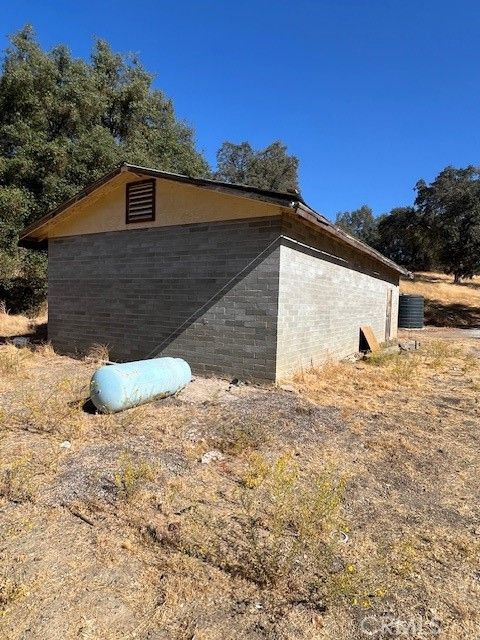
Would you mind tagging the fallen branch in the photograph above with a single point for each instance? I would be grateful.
(77, 514)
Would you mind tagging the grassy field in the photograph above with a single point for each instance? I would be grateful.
(345, 507)
(447, 304)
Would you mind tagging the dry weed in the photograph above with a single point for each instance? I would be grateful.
(16, 325)
(253, 546)
(56, 410)
(400, 367)
(44, 349)
(10, 592)
(352, 387)
(281, 532)
(98, 353)
(16, 482)
(369, 384)
(440, 353)
(235, 435)
(13, 359)
(131, 475)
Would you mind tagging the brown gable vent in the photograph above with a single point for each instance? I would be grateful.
(140, 201)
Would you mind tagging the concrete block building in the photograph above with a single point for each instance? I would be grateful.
(239, 281)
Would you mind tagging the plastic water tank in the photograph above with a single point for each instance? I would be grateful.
(410, 311)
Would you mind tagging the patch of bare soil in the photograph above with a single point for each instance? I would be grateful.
(345, 507)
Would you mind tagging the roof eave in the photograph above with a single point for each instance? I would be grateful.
(24, 237)
(309, 214)
(270, 197)
(293, 202)
(265, 195)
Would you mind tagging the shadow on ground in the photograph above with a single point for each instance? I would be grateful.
(434, 278)
(439, 314)
(37, 334)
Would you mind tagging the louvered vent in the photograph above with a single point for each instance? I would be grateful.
(140, 201)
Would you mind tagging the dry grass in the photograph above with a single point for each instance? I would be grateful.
(13, 360)
(446, 303)
(98, 353)
(131, 475)
(14, 325)
(284, 536)
(356, 496)
(16, 480)
(383, 376)
(10, 592)
(18, 325)
(238, 434)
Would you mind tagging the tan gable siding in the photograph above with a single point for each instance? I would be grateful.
(176, 203)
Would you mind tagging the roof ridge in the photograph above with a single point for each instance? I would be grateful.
(221, 183)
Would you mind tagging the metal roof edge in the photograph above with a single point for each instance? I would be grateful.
(288, 200)
(280, 198)
(71, 201)
(316, 218)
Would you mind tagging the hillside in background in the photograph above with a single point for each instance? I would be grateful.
(446, 304)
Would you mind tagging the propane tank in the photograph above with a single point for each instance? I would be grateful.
(121, 386)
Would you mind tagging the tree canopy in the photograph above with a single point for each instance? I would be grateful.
(359, 223)
(402, 236)
(63, 123)
(440, 231)
(450, 210)
(270, 168)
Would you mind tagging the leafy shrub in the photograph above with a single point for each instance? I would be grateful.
(23, 281)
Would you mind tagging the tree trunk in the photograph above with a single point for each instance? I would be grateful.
(457, 279)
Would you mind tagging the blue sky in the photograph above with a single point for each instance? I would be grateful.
(369, 94)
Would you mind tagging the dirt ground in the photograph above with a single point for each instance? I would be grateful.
(344, 505)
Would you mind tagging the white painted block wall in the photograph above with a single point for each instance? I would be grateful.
(322, 306)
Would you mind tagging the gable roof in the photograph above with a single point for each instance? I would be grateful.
(290, 200)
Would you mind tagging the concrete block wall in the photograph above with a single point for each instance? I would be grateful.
(214, 286)
(326, 293)
(255, 298)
